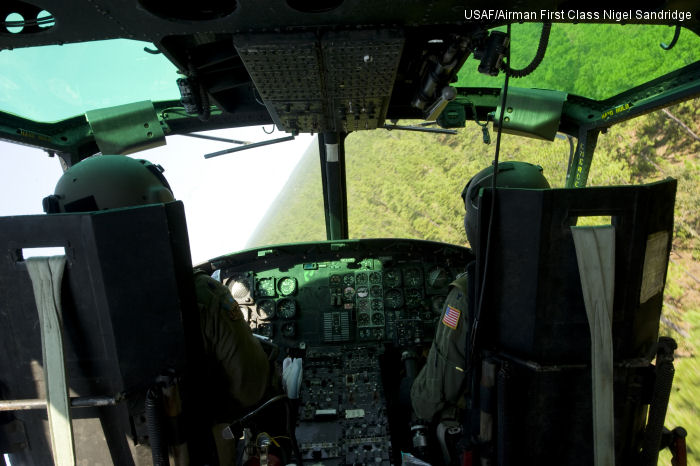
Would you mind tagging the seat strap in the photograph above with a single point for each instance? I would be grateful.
(595, 252)
(46, 274)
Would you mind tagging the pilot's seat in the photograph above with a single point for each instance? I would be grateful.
(126, 299)
(549, 291)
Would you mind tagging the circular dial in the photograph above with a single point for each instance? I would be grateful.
(266, 309)
(362, 305)
(287, 286)
(266, 287)
(287, 308)
(289, 330)
(348, 279)
(363, 319)
(413, 297)
(376, 291)
(348, 293)
(265, 330)
(393, 298)
(361, 279)
(377, 305)
(375, 278)
(413, 277)
(335, 279)
(377, 318)
(436, 304)
(362, 291)
(438, 277)
(392, 278)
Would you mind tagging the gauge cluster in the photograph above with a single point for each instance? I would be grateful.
(382, 292)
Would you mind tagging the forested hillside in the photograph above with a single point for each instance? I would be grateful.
(403, 184)
(594, 60)
(406, 184)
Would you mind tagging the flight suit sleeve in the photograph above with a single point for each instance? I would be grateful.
(228, 339)
(439, 384)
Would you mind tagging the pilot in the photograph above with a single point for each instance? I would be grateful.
(235, 355)
(437, 393)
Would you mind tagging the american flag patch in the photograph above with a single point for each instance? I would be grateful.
(451, 317)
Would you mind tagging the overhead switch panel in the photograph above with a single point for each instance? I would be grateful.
(340, 81)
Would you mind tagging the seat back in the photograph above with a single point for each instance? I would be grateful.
(534, 319)
(126, 292)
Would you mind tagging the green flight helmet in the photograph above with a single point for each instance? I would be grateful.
(510, 175)
(108, 182)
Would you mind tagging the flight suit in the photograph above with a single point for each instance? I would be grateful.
(439, 385)
(235, 355)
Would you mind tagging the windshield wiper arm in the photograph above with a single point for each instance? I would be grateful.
(248, 146)
(214, 138)
(422, 129)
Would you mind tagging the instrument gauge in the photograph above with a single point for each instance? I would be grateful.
(377, 318)
(392, 278)
(377, 305)
(287, 286)
(362, 291)
(349, 293)
(349, 279)
(287, 308)
(266, 287)
(362, 305)
(376, 291)
(438, 277)
(437, 304)
(393, 298)
(363, 319)
(375, 278)
(289, 330)
(265, 330)
(335, 279)
(266, 309)
(413, 297)
(413, 278)
(361, 279)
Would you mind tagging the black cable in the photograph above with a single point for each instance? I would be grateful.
(539, 56)
(477, 314)
(676, 35)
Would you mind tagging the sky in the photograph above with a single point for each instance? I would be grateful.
(225, 197)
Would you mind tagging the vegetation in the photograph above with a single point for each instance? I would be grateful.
(403, 184)
(622, 56)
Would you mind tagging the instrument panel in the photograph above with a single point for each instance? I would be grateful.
(331, 293)
(351, 310)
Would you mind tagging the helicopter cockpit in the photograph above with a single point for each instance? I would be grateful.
(349, 312)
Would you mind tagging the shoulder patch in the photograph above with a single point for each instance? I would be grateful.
(451, 317)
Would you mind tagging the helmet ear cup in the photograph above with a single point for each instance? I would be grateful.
(51, 204)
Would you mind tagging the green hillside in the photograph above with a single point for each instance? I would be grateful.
(405, 184)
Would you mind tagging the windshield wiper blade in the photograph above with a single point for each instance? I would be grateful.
(214, 138)
(422, 129)
(248, 146)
